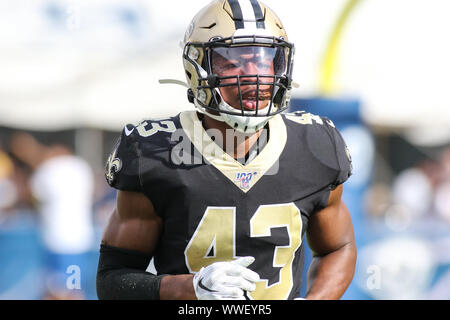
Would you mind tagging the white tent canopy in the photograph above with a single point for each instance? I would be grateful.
(96, 64)
(121, 93)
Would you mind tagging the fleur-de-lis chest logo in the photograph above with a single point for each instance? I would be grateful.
(113, 165)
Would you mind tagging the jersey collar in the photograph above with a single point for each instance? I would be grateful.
(243, 176)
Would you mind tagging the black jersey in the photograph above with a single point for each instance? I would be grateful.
(215, 208)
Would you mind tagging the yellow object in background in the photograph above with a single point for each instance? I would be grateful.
(328, 67)
(6, 165)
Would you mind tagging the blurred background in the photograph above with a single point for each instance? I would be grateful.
(73, 73)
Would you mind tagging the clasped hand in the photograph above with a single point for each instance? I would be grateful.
(225, 280)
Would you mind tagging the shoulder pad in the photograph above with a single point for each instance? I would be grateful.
(305, 118)
(152, 127)
(122, 166)
(326, 143)
(343, 156)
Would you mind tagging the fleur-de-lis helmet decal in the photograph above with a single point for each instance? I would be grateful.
(113, 165)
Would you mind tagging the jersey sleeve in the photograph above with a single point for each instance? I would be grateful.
(342, 153)
(122, 166)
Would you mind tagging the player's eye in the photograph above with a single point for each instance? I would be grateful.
(232, 65)
(264, 65)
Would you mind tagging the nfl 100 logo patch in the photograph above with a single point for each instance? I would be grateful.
(245, 178)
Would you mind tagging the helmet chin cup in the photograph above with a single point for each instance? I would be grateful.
(239, 123)
(242, 124)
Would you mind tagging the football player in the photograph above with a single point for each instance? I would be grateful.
(224, 197)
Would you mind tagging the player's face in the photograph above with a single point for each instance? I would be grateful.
(245, 62)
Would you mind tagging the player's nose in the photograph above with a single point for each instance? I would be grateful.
(251, 68)
(250, 72)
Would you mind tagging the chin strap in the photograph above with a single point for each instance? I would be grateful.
(173, 81)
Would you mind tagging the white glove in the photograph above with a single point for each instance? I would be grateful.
(225, 280)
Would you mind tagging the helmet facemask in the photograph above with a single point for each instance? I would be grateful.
(243, 80)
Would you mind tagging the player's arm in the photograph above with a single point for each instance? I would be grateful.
(132, 235)
(331, 239)
(128, 242)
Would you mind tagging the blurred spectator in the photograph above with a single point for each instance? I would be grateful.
(418, 193)
(62, 185)
(412, 197)
(442, 195)
(413, 189)
(423, 191)
(8, 190)
(410, 259)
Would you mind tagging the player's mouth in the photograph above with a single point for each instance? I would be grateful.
(249, 100)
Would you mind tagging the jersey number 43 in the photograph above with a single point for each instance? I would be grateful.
(216, 233)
